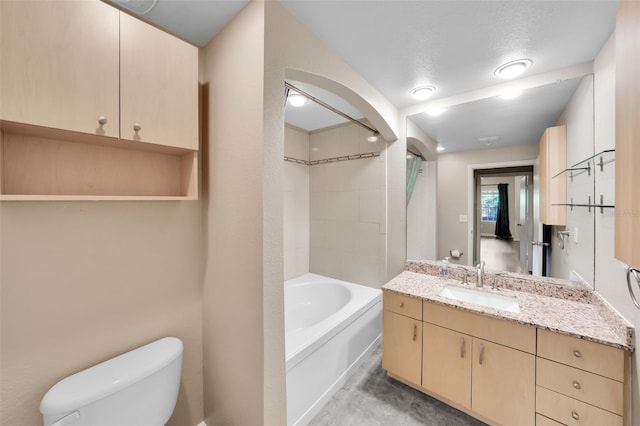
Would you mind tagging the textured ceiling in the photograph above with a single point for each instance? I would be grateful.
(397, 45)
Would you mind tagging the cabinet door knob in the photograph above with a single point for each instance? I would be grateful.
(102, 121)
(577, 354)
(576, 385)
(481, 354)
(137, 127)
(415, 331)
(402, 304)
(575, 415)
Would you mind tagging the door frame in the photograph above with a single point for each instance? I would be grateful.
(471, 193)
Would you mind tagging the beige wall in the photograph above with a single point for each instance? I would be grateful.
(233, 177)
(453, 169)
(296, 203)
(82, 282)
(348, 207)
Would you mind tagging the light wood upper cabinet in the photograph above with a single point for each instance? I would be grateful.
(158, 86)
(59, 65)
(553, 160)
(503, 383)
(402, 346)
(627, 223)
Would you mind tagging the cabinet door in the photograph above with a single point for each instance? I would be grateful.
(627, 232)
(158, 86)
(553, 160)
(446, 363)
(503, 384)
(59, 65)
(402, 346)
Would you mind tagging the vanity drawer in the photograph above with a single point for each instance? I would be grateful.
(546, 421)
(572, 412)
(590, 356)
(587, 387)
(506, 333)
(403, 305)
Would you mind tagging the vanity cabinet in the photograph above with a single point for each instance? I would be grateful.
(580, 382)
(446, 363)
(627, 223)
(95, 104)
(402, 343)
(553, 191)
(483, 364)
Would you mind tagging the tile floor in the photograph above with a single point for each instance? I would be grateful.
(370, 398)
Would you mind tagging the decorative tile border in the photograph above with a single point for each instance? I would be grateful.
(333, 159)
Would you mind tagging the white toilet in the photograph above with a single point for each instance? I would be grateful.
(137, 388)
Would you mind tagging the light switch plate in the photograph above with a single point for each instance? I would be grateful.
(575, 235)
(463, 218)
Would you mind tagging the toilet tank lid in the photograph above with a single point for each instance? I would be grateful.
(110, 376)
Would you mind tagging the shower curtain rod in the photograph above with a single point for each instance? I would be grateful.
(329, 107)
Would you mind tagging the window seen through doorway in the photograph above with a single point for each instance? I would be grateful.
(489, 198)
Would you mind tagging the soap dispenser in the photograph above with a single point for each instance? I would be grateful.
(444, 268)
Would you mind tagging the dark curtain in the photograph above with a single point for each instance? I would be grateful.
(502, 220)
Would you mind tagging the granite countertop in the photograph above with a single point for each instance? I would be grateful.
(574, 310)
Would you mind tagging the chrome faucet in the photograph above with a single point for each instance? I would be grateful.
(480, 271)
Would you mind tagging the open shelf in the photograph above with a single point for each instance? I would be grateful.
(586, 163)
(46, 164)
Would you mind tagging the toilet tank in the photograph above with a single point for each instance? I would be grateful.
(139, 387)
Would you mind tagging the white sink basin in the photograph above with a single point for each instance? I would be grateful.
(490, 300)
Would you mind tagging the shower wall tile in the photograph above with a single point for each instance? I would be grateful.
(369, 210)
(296, 198)
(347, 207)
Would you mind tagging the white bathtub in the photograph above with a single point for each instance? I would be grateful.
(330, 326)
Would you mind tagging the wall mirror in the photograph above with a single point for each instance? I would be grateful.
(490, 146)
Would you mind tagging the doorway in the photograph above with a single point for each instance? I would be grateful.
(503, 205)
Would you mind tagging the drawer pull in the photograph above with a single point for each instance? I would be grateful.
(137, 127)
(415, 332)
(575, 415)
(481, 355)
(577, 354)
(576, 385)
(462, 347)
(102, 121)
(402, 304)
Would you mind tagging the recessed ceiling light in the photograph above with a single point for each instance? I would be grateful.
(434, 112)
(440, 148)
(423, 92)
(513, 69)
(510, 94)
(296, 99)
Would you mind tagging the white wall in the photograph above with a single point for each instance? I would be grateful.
(296, 204)
(577, 256)
(610, 280)
(347, 207)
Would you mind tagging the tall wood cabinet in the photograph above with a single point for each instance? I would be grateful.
(95, 104)
(553, 185)
(627, 223)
